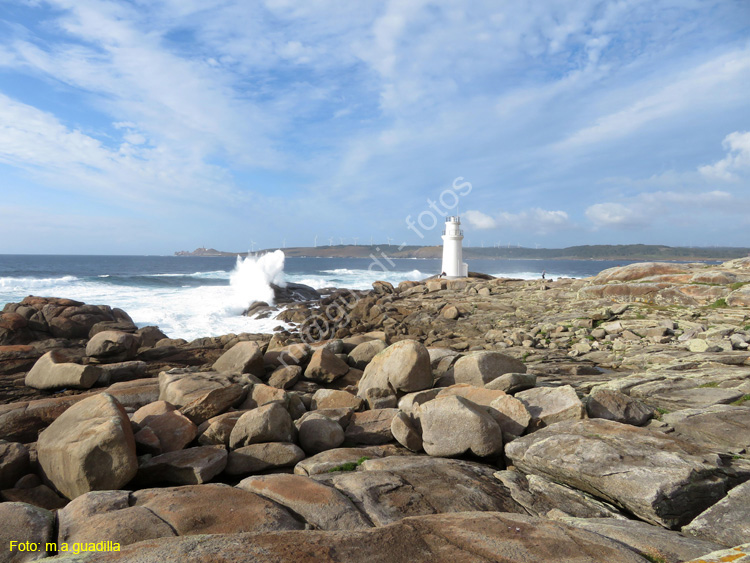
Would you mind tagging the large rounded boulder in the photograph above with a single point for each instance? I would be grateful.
(401, 368)
(89, 447)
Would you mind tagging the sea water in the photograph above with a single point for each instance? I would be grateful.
(190, 297)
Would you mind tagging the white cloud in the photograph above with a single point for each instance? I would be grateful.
(648, 208)
(536, 220)
(129, 174)
(737, 144)
(479, 220)
(705, 85)
(613, 215)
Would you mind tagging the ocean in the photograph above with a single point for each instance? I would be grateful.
(190, 297)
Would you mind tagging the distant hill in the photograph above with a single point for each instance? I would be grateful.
(586, 252)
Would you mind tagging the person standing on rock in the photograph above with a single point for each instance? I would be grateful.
(544, 273)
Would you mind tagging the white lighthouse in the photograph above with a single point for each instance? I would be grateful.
(453, 265)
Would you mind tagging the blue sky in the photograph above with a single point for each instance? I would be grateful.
(149, 126)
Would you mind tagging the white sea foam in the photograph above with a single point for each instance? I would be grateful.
(218, 274)
(251, 280)
(9, 283)
(353, 278)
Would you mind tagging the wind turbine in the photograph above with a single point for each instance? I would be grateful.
(252, 246)
(330, 241)
(315, 242)
(389, 239)
(355, 240)
(370, 240)
(283, 243)
(341, 240)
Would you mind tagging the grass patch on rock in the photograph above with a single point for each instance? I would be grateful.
(741, 401)
(711, 384)
(718, 304)
(349, 465)
(735, 286)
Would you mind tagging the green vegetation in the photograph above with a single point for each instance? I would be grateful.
(742, 400)
(654, 558)
(711, 384)
(746, 327)
(737, 285)
(661, 412)
(348, 466)
(718, 304)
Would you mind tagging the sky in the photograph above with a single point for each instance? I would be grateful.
(151, 126)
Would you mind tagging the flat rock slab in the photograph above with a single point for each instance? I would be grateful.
(727, 522)
(660, 479)
(470, 536)
(660, 544)
(692, 398)
(390, 489)
(322, 506)
(214, 509)
(723, 428)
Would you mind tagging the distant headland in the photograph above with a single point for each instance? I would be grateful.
(585, 252)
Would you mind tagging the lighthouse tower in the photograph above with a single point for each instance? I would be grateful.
(453, 265)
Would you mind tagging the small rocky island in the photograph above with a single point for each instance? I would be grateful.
(476, 419)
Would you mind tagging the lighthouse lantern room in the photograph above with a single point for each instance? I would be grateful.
(453, 265)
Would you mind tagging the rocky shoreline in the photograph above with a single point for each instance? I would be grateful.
(477, 419)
